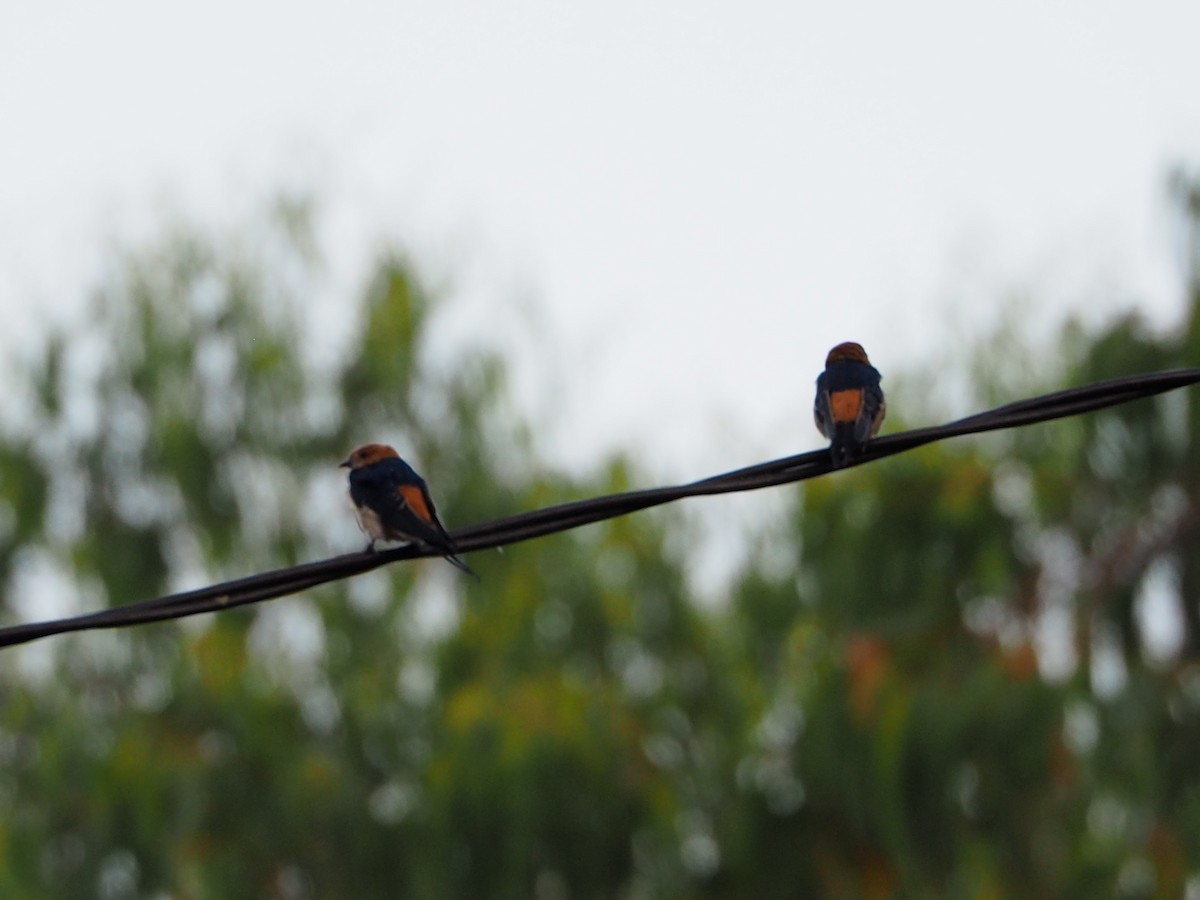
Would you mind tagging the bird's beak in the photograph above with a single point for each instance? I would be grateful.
(344, 464)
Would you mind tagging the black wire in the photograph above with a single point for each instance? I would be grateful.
(565, 516)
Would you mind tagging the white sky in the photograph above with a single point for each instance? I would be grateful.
(698, 198)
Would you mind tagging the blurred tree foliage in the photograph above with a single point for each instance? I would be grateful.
(970, 671)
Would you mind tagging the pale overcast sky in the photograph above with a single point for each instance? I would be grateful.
(699, 198)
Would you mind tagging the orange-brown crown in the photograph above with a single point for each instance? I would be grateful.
(369, 454)
(847, 352)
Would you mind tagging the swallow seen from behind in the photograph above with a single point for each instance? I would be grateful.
(850, 406)
(393, 503)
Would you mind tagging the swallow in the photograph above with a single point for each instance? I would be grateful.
(393, 504)
(849, 407)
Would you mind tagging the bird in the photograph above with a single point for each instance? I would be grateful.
(392, 502)
(849, 407)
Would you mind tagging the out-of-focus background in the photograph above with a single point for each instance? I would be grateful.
(551, 251)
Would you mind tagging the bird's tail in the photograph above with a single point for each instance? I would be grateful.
(844, 444)
(453, 559)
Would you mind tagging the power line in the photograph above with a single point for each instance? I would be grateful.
(565, 516)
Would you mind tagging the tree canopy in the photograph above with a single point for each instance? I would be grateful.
(972, 670)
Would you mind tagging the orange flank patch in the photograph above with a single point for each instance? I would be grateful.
(845, 405)
(415, 499)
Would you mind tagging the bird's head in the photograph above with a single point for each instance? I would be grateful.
(368, 454)
(847, 352)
